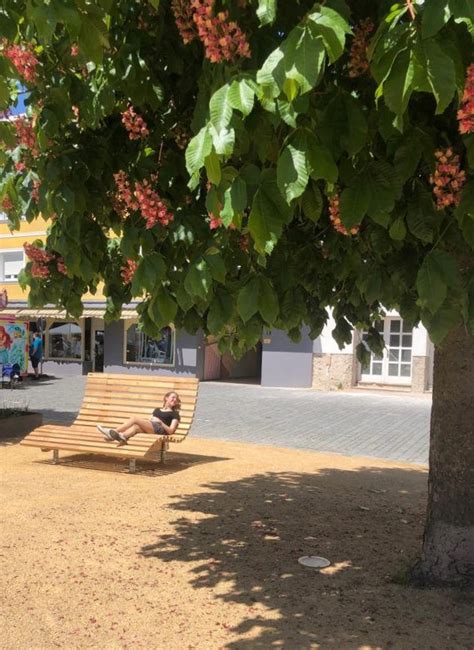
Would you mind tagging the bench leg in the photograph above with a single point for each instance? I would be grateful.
(162, 452)
(55, 456)
(132, 465)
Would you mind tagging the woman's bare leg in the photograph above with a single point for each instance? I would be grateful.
(140, 426)
(145, 425)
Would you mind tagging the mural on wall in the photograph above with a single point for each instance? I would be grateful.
(14, 343)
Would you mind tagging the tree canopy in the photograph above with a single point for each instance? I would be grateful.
(240, 163)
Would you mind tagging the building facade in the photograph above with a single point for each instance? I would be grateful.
(88, 344)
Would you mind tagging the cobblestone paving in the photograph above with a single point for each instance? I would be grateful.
(394, 426)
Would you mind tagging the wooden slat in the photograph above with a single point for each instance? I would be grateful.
(110, 399)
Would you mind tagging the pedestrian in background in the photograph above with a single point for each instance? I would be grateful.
(36, 353)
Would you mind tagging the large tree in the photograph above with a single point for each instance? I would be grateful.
(234, 164)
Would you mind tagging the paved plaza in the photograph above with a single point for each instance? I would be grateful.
(393, 426)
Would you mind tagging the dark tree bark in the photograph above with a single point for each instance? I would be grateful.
(448, 544)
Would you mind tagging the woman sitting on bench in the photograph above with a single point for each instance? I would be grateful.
(163, 422)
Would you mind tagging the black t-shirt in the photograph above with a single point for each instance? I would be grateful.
(166, 416)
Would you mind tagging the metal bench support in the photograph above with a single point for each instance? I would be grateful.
(55, 456)
(132, 465)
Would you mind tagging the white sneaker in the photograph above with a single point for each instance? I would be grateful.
(106, 432)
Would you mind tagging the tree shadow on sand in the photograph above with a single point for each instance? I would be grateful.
(368, 523)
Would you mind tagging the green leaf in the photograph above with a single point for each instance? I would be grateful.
(220, 311)
(247, 300)
(312, 202)
(267, 301)
(354, 203)
(438, 271)
(162, 309)
(436, 13)
(422, 217)
(213, 168)
(300, 57)
(220, 108)
(269, 213)
(355, 135)
(198, 150)
(332, 27)
(441, 74)
(198, 280)
(292, 168)
(45, 20)
(235, 200)
(398, 230)
(441, 323)
(321, 163)
(467, 229)
(241, 95)
(408, 156)
(461, 8)
(223, 140)
(217, 267)
(398, 88)
(266, 11)
(93, 38)
(150, 272)
(7, 134)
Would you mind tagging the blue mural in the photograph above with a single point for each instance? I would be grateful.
(14, 343)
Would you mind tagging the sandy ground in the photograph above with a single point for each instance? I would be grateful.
(202, 554)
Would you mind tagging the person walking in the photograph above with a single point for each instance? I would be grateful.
(36, 353)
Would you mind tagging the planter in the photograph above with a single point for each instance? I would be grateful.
(19, 425)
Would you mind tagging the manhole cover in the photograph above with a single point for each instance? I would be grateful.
(314, 561)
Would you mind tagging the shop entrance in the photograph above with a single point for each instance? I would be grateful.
(223, 367)
(97, 344)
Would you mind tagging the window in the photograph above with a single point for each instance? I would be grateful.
(141, 348)
(11, 263)
(64, 340)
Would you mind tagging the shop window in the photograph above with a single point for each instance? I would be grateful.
(64, 340)
(11, 263)
(141, 348)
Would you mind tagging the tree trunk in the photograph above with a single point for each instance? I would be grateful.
(448, 543)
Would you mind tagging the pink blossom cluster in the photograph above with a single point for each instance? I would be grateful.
(214, 222)
(26, 135)
(222, 38)
(128, 271)
(448, 179)
(358, 62)
(135, 124)
(40, 259)
(152, 207)
(466, 112)
(184, 16)
(23, 58)
(335, 217)
(7, 204)
(143, 198)
(124, 198)
(61, 266)
(244, 243)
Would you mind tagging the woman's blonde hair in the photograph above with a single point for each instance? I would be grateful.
(172, 392)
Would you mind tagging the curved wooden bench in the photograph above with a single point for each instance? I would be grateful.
(109, 399)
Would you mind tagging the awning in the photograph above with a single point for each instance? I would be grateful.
(60, 314)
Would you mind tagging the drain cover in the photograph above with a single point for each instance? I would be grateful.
(314, 561)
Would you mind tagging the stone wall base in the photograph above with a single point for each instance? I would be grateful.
(333, 371)
(420, 374)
